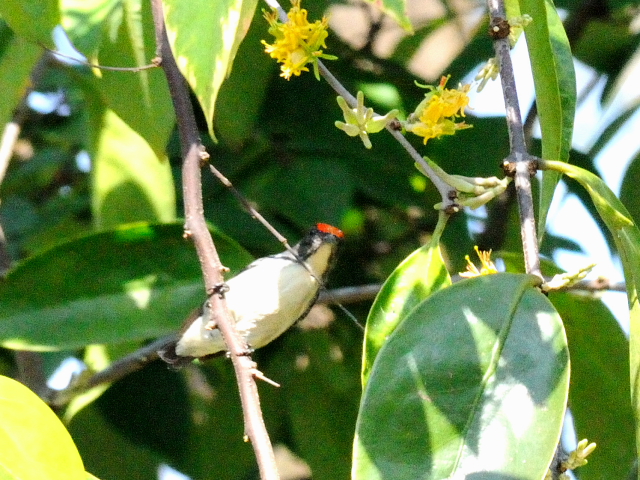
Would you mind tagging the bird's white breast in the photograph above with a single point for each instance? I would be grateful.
(264, 300)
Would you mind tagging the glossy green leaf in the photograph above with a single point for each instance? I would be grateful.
(205, 44)
(473, 382)
(17, 58)
(130, 183)
(396, 9)
(627, 239)
(555, 85)
(599, 394)
(598, 397)
(418, 276)
(34, 444)
(133, 283)
(32, 19)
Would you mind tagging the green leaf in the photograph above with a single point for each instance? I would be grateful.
(396, 9)
(473, 382)
(107, 452)
(133, 283)
(17, 59)
(598, 397)
(88, 21)
(140, 99)
(32, 19)
(34, 443)
(627, 239)
(555, 85)
(129, 182)
(205, 44)
(418, 276)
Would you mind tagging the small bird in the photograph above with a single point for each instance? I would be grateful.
(264, 299)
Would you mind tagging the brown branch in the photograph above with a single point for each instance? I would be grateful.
(196, 228)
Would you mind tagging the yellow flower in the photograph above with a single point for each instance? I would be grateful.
(433, 117)
(297, 42)
(362, 120)
(488, 267)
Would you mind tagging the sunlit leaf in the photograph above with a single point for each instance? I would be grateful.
(32, 19)
(473, 382)
(627, 239)
(555, 85)
(205, 44)
(129, 182)
(418, 276)
(33, 442)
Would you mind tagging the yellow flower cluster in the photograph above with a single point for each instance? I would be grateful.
(487, 268)
(435, 115)
(297, 42)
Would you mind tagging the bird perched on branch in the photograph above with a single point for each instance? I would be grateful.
(264, 300)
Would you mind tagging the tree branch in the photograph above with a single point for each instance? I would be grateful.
(212, 269)
(519, 163)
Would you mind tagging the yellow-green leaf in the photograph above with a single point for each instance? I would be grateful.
(205, 43)
(34, 444)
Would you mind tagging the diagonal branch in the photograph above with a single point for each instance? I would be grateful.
(196, 228)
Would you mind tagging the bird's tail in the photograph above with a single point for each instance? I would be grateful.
(168, 353)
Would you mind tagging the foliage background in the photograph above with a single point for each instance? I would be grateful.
(277, 143)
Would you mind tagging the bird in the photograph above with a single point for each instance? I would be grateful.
(264, 300)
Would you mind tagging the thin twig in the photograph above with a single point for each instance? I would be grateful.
(524, 163)
(155, 63)
(196, 228)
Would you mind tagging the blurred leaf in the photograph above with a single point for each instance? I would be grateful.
(311, 189)
(33, 441)
(107, 453)
(481, 363)
(17, 58)
(133, 283)
(606, 57)
(396, 9)
(555, 85)
(140, 409)
(627, 240)
(87, 21)
(418, 276)
(129, 182)
(32, 19)
(205, 44)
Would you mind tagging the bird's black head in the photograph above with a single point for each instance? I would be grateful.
(319, 235)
